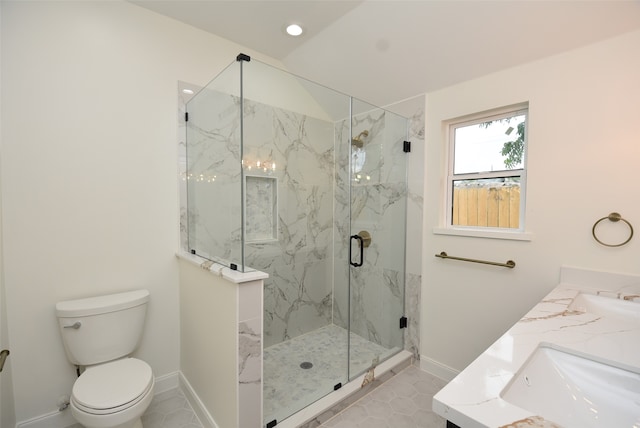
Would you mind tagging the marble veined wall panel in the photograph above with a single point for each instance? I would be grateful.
(213, 178)
(414, 227)
(341, 225)
(297, 294)
(374, 197)
(284, 149)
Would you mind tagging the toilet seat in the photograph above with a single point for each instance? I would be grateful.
(112, 387)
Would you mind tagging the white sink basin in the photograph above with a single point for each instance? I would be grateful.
(576, 391)
(607, 307)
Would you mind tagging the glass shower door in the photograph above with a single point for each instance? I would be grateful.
(378, 183)
(288, 167)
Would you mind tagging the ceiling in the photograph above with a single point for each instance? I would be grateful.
(384, 51)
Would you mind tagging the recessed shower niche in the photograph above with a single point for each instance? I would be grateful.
(281, 175)
(261, 208)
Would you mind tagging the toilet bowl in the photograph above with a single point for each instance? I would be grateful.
(99, 335)
(113, 395)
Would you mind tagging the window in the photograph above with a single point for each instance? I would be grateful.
(487, 174)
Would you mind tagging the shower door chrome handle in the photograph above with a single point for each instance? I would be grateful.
(361, 246)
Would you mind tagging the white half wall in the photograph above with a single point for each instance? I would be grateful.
(209, 342)
(89, 173)
(583, 152)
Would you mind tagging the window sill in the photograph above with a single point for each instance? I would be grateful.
(476, 233)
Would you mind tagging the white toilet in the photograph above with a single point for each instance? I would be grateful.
(99, 334)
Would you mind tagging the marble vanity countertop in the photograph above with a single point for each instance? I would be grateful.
(473, 398)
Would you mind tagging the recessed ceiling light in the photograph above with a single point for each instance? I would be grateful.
(294, 30)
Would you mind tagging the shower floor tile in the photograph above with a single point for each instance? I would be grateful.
(288, 387)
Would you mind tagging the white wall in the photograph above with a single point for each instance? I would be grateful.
(89, 173)
(7, 413)
(583, 153)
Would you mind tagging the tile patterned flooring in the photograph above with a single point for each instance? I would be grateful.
(402, 402)
(168, 409)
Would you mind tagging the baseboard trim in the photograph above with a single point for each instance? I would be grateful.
(63, 419)
(167, 382)
(54, 419)
(438, 369)
(198, 407)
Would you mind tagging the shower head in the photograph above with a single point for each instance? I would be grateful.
(357, 141)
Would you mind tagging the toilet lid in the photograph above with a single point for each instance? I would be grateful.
(112, 385)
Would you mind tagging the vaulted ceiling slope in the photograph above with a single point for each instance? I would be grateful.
(384, 51)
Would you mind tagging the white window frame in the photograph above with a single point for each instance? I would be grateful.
(481, 231)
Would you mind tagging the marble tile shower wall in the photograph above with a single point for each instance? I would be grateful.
(298, 256)
(413, 283)
(297, 294)
(307, 287)
(213, 160)
(413, 276)
(377, 196)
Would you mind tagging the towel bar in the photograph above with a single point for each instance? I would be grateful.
(509, 264)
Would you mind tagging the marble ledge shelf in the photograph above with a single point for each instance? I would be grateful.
(221, 270)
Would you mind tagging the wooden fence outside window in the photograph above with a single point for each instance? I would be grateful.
(487, 205)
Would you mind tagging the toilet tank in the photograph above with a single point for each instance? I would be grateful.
(104, 328)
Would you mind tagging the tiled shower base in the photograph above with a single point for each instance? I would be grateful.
(288, 387)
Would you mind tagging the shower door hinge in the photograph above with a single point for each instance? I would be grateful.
(243, 57)
(272, 424)
(406, 147)
(403, 322)
(186, 116)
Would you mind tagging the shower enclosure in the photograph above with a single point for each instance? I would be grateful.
(309, 185)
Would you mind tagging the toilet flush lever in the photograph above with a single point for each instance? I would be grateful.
(75, 325)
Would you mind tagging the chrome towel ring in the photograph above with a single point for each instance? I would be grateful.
(614, 217)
